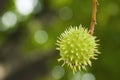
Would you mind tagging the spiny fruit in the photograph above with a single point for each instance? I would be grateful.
(77, 47)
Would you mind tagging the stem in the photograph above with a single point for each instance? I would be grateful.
(93, 20)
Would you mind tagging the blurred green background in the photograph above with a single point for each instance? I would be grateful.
(28, 33)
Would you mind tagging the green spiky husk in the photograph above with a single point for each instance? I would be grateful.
(77, 47)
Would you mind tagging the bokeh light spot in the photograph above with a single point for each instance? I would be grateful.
(25, 7)
(41, 36)
(77, 76)
(9, 19)
(2, 72)
(113, 9)
(65, 13)
(58, 72)
(88, 76)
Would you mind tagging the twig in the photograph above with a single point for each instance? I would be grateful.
(93, 20)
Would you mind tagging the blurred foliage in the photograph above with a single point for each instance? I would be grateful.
(28, 33)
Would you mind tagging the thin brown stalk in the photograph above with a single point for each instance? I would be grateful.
(93, 20)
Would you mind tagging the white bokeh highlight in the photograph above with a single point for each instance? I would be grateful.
(65, 13)
(88, 76)
(9, 19)
(2, 72)
(58, 72)
(41, 36)
(113, 9)
(77, 76)
(25, 7)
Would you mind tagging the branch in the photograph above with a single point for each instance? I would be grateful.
(93, 20)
